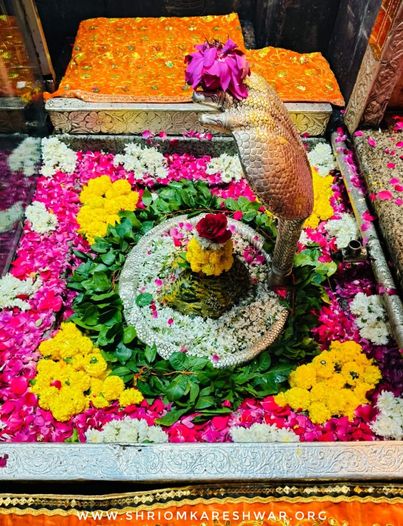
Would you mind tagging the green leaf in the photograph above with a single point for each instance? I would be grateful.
(205, 401)
(179, 361)
(123, 353)
(171, 417)
(108, 258)
(121, 371)
(147, 197)
(144, 299)
(177, 388)
(150, 353)
(129, 333)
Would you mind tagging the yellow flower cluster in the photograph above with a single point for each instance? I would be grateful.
(322, 192)
(210, 262)
(335, 383)
(72, 373)
(102, 200)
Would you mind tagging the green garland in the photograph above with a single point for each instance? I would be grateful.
(190, 383)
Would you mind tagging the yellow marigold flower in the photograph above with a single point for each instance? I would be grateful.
(112, 206)
(319, 413)
(322, 190)
(96, 386)
(48, 349)
(112, 387)
(319, 392)
(298, 398)
(304, 376)
(80, 380)
(281, 399)
(47, 394)
(346, 346)
(210, 262)
(324, 365)
(372, 374)
(130, 397)
(95, 364)
(361, 390)
(351, 402)
(78, 361)
(352, 372)
(102, 200)
(99, 185)
(119, 187)
(99, 401)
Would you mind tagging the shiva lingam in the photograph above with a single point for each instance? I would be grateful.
(271, 151)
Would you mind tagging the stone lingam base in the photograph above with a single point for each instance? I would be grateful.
(243, 330)
(75, 116)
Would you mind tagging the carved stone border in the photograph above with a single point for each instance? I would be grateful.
(75, 116)
(203, 462)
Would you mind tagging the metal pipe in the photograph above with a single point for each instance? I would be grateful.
(370, 238)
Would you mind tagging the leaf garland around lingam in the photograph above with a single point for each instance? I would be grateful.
(189, 383)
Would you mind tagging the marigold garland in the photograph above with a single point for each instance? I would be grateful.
(335, 383)
(322, 191)
(102, 200)
(72, 373)
(212, 262)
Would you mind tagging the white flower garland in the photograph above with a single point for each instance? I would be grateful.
(370, 318)
(389, 421)
(127, 430)
(229, 166)
(41, 220)
(11, 287)
(262, 433)
(143, 161)
(10, 216)
(321, 157)
(57, 157)
(344, 229)
(25, 156)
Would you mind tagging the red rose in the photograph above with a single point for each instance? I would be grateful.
(214, 228)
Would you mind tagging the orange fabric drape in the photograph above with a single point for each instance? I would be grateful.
(142, 60)
(319, 511)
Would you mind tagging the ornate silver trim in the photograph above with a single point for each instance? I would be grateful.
(379, 264)
(75, 116)
(203, 462)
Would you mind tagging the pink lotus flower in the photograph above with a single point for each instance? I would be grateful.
(218, 67)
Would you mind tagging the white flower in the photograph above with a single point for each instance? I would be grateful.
(143, 161)
(229, 166)
(41, 220)
(344, 229)
(262, 433)
(56, 156)
(10, 216)
(389, 421)
(321, 157)
(127, 430)
(370, 318)
(11, 287)
(25, 157)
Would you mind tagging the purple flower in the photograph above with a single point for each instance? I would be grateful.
(218, 67)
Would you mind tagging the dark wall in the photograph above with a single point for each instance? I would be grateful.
(300, 25)
(348, 43)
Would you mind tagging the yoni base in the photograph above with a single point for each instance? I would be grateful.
(78, 117)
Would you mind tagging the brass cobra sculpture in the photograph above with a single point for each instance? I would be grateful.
(273, 158)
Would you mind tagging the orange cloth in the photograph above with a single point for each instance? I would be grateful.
(297, 77)
(139, 59)
(142, 60)
(323, 511)
(17, 78)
